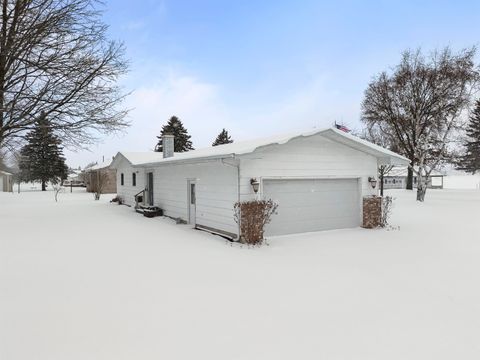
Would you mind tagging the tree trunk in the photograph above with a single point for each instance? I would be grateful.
(421, 191)
(421, 183)
(410, 177)
(381, 184)
(44, 185)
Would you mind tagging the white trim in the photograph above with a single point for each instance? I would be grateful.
(191, 181)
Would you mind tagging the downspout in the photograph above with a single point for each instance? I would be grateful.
(238, 186)
(238, 195)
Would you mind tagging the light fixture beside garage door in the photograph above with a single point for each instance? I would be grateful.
(255, 184)
(372, 181)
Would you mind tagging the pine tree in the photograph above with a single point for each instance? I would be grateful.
(182, 140)
(470, 161)
(42, 157)
(223, 138)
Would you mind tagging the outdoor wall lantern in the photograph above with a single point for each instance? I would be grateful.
(255, 184)
(372, 181)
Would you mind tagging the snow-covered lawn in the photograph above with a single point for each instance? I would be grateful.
(81, 279)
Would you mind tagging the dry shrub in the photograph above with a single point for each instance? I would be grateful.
(252, 217)
(387, 205)
(99, 180)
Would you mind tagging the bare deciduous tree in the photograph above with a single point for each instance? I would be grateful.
(98, 180)
(418, 106)
(57, 187)
(374, 136)
(55, 58)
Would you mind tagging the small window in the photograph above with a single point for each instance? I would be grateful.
(134, 179)
(121, 179)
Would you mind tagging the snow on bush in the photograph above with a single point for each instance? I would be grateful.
(387, 206)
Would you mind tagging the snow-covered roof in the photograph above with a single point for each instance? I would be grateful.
(246, 147)
(99, 166)
(138, 158)
(403, 171)
(5, 173)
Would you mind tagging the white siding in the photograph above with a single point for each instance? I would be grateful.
(1, 183)
(310, 157)
(314, 157)
(216, 192)
(127, 191)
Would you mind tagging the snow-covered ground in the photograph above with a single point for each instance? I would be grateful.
(81, 279)
(463, 181)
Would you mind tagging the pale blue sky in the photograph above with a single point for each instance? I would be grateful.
(260, 68)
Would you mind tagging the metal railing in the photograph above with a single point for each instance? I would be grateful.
(136, 196)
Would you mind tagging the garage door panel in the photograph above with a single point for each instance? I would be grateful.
(312, 212)
(308, 226)
(312, 205)
(313, 202)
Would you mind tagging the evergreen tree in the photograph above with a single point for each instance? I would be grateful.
(470, 161)
(42, 157)
(223, 138)
(182, 140)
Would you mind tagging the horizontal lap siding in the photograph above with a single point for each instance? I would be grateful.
(128, 191)
(310, 157)
(216, 193)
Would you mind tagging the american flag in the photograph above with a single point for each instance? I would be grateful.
(342, 127)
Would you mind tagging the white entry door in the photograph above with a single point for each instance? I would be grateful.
(312, 204)
(149, 199)
(192, 202)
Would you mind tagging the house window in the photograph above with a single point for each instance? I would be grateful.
(121, 179)
(134, 179)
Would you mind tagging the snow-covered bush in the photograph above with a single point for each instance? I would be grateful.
(252, 217)
(387, 206)
(117, 199)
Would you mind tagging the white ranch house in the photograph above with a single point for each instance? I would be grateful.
(397, 179)
(317, 178)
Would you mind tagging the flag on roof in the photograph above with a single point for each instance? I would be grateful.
(342, 128)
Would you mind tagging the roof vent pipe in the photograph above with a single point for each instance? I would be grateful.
(168, 144)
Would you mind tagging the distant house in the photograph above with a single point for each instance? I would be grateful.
(397, 179)
(6, 181)
(317, 178)
(74, 179)
(103, 173)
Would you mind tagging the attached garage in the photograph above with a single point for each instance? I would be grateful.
(318, 179)
(306, 205)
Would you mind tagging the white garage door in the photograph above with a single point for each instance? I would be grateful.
(312, 205)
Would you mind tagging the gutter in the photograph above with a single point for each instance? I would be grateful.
(186, 161)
